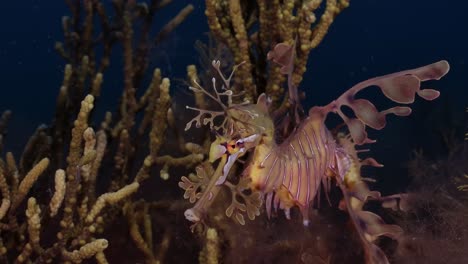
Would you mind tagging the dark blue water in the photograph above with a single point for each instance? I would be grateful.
(370, 38)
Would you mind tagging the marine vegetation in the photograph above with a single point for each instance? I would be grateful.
(435, 229)
(89, 184)
(73, 181)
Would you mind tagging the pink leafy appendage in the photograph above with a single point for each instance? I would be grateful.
(400, 87)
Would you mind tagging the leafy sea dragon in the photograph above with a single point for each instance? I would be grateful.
(291, 173)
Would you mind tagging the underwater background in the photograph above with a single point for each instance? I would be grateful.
(370, 38)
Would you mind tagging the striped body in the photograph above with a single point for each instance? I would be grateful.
(291, 173)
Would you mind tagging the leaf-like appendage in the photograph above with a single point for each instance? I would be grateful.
(400, 87)
(242, 202)
(368, 225)
(368, 113)
(204, 117)
(429, 94)
(373, 226)
(222, 96)
(282, 54)
(397, 202)
(194, 184)
(357, 129)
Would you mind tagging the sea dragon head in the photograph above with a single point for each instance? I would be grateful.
(239, 127)
(247, 126)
